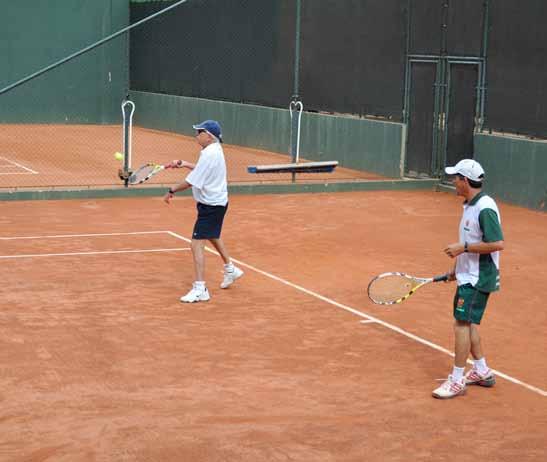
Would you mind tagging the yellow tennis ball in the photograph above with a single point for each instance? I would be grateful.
(118, 156)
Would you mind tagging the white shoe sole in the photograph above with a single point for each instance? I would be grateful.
(194, 300)
(461, 393)
(484, 383)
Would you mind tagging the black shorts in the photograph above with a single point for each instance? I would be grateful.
(209, 222)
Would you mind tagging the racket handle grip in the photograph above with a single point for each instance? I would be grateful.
(442, 277)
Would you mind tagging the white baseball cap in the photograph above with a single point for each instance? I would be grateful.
(468, 168)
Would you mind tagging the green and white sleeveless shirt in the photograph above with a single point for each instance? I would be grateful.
(481, 222)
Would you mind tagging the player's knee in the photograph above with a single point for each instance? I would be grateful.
(458, 324)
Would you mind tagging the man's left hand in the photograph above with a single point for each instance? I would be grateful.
(453, 250)
(167, 198)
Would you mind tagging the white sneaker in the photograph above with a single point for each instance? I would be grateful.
(474, 377)
(196, 295)
(230, 277)
(450, 388)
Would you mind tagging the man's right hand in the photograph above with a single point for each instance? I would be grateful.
(175, 164)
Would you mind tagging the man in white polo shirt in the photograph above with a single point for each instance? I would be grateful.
(207, 179)
(476, 270)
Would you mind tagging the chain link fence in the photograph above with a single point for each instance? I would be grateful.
(61, 89)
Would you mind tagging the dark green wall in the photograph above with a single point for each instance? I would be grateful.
(361, 144)
(356, 143)
(516, 169)
(37, 33)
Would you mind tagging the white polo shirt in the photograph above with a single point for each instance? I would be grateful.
(208, 178)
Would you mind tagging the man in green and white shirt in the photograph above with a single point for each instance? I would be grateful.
(480, 223)
(476, 270)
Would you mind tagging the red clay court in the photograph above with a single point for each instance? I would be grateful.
(101, 362)
(60, 156)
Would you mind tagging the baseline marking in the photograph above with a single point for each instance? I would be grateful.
(102, 252)
(17, 173)
(28, 170)
(369, 318)
(82, 235)
(58, 236)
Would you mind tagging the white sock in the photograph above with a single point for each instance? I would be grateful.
(229, 267)
(480, 365)
(457, 373)
(200, 285)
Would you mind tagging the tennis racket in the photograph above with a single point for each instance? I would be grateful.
(392, 288)
(144, 173)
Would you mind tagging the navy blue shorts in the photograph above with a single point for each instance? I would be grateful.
(209, 222)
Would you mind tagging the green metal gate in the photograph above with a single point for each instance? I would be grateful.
(444, 106)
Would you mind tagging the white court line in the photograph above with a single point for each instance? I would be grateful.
(29, 170)
(57, 236)
(82, 235)
(102, 252)
(370, 318)
(17, 173)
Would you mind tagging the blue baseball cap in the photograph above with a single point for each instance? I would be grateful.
(210, 126)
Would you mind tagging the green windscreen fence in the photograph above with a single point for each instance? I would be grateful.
(60, 127)
(66, 77)
(239, 51)
(352, 63)
(517, 96)
(350, 53)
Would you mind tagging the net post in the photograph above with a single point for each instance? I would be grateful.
(295, 101)
(295, 111)
(128, 108)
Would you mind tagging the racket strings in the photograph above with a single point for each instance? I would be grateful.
(390, 288)
(142, 173)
